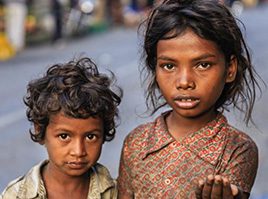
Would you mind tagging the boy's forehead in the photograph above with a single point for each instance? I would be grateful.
(62, 114)
(63, 121)
(53, 116)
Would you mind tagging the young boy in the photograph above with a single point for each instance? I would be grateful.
(73, 109)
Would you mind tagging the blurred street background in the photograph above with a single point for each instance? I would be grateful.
(106, 31)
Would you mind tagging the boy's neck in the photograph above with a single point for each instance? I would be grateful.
(179, 127)
(57, 182)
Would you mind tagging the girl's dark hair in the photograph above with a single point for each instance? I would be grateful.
(212, 21)
(78, 90)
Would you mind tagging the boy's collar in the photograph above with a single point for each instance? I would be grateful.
(33, 182)
(33, 186)
(100, 181)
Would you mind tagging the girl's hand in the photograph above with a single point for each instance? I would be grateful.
(217, 187)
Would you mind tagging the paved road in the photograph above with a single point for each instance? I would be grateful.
(117, 50)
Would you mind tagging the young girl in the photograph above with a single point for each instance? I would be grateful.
(72, 108)
(198, 64)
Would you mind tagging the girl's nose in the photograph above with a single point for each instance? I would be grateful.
(78, 148)
(184, 80)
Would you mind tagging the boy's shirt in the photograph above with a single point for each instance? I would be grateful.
(31, 186)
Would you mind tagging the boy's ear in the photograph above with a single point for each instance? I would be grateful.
(231, 70)
(37, 130)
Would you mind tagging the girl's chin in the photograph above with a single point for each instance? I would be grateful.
(194, 114)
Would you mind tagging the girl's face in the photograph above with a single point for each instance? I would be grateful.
(191, 73)
(73, 145)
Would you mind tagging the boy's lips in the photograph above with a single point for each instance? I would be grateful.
(77, 164)
(186, 102)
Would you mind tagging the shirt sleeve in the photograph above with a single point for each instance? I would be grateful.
(11, 191)
(111, 193)
(242, 166)
(124, 179)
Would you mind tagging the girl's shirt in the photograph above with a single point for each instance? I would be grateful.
(31, 186)
(154, 165)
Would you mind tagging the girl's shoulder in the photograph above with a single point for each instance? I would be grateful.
(147, 137)
(146, 130)
(142, 130)
(238, 138)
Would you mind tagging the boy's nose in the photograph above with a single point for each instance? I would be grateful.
(78, 148)
(184, 80)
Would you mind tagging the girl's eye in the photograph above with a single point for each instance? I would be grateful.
(203, 66)
(91, 137)
(64, 136)
(168, 67)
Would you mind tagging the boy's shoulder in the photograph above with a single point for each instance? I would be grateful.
(102, 172)
(102, 183)
(24, 186)
(12, 188)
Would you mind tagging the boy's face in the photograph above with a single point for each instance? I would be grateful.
(73, 145)
(191, 73)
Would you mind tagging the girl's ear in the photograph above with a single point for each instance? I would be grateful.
(37, 130)
(231, 70)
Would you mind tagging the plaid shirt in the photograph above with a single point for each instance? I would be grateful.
(31, 186)
(154, 165)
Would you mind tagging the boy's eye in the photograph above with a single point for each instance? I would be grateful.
(203, 66)
(64, 136)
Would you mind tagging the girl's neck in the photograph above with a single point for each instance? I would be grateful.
(179, 127)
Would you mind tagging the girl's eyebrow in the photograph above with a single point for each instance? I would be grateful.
(204, 56)
(165, 58)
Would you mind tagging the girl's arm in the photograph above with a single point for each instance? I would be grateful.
(124, 196)
(236, 176)
(124, 179)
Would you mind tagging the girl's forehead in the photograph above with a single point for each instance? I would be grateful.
(189, 36)
(188, 31)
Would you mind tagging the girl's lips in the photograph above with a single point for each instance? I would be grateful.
(185, 102)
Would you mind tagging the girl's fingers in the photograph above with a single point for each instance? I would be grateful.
(227, 191)
(235, 190)
(217, 188)
(237, 193)
(199, 188)
(206, 193)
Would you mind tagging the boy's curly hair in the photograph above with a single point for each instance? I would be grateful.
(78, 90)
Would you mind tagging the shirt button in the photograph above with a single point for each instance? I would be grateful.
(173, 144)
(167, 181)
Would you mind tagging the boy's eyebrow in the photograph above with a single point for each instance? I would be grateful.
(99, 130)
